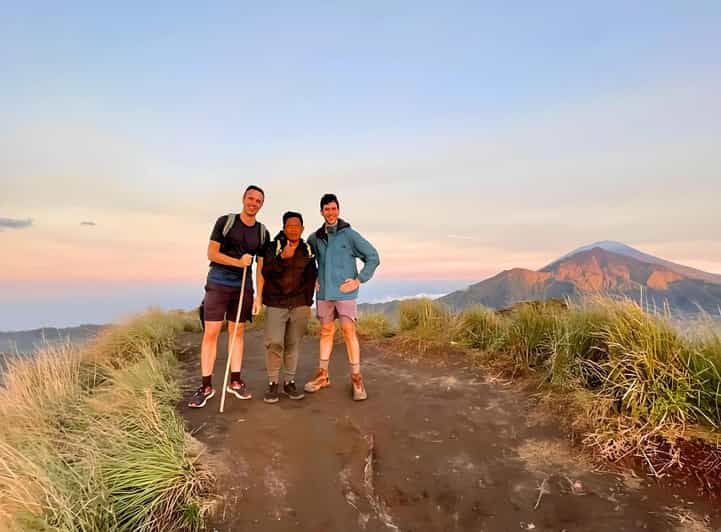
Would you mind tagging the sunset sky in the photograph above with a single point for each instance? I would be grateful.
(462, 139)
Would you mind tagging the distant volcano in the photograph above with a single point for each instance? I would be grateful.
(605, 267)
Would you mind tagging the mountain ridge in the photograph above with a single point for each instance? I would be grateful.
(606, 267)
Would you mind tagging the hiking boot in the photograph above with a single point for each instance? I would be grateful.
(201, 396)
(239, 389)
(271, 394)
(291, 391)
(359, 391)
(321, 380)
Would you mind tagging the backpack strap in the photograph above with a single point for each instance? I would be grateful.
(263, 233)
(229, 221)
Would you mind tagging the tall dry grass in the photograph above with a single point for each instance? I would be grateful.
(89, 438)
(646, 377)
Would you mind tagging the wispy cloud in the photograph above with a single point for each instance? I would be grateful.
(14, 223)
(460, 237)
(88, 223)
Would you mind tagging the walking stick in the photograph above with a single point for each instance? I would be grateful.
(232, 340)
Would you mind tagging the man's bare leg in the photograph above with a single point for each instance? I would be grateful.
(208, 352)
(209, 347)
(321, 379)
(327, 333)
(237, 386)
(351, 344)
(236, 359)
(353, 349)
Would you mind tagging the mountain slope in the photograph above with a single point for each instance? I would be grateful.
(591, 271)
(28, 341)
(623, 249)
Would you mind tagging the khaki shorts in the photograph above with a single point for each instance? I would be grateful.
(328, 311)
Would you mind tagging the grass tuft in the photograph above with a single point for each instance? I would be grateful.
(89, 438)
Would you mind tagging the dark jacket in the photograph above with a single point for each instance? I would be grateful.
(289, 283)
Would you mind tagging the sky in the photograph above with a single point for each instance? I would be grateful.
(462, 138)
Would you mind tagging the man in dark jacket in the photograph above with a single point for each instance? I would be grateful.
(290, 273)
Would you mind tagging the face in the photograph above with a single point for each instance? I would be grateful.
(330, 212)
(252, 202)
(293, 229)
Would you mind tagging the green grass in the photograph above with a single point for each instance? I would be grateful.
(424, 324)
(639, 374)
(375, 325)
(479, 328)
(529, 332)
(89, 438)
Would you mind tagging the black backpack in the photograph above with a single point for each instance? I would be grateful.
(229, 222)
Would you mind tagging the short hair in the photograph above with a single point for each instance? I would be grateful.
(329, 198)
(253, 187)
(292, 214)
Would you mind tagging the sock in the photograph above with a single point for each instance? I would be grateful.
(324, 364)
(235, 376)
(355, 368)
(207, 381)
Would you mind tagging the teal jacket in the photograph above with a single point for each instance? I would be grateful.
(336, 253)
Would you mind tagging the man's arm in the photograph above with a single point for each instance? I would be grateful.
(365, 251)
(310, 276)
(259, 282)
(214, 255)
(259, 278)
(271, 262)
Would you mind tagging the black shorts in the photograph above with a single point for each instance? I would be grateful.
(221, 302)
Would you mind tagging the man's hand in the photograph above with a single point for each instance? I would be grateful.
(245, 261)
(289, 250)
(349, 285)
(257, 305)
(317, 286)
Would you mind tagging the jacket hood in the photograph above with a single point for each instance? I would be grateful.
(342, 224)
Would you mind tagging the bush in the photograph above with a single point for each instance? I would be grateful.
(529, 333)
(375, 325)
(425, 324)
(575, 340)
(110, 456)
(479, 328)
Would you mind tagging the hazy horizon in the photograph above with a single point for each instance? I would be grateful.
(461, 139)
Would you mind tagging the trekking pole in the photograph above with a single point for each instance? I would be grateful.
(231, 343)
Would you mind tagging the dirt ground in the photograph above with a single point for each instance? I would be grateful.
(435, 447)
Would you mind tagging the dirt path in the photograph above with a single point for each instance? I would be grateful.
(433, 448)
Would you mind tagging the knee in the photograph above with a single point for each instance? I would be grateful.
(211, 334)
(240, 326)
(348, 329)
(327, 329)
(274, 347)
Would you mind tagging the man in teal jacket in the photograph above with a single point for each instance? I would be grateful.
(337, 246)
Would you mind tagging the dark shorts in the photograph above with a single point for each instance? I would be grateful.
(328, 311)
(221, 302)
